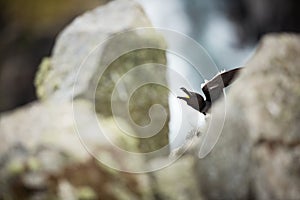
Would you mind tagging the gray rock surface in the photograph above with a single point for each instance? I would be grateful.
(78, 40)
(257, 155)
(91, 56)
(176, 182)
(42, 156)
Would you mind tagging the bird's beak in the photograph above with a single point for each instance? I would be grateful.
(183, 98)
(185, 91)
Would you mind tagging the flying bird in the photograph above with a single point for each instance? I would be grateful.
(212, 90)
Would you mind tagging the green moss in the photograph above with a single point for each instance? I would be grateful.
(15, 167)
(33, 164)
(143, 97)
(86, 193)
(41, 76)
(45, 81)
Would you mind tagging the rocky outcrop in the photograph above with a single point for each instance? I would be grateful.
(45, 153)
(42, 157)
(51, 148)
(257, 155)
(97, 50)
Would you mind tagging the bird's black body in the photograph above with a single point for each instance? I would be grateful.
(212, 90)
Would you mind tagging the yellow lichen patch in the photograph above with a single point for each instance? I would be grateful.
(86, 193)
(41, 75)
(15, 167)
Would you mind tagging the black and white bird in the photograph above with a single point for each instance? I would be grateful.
(199, 117)
(212, 90)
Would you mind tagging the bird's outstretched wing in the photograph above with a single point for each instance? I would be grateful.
(214, 87)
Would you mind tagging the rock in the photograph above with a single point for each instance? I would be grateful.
(276, 134)
(76, 42)
(49, 148)
(37, 23)
(36, 158)
(257, 155)
(54, 128)
(66, 191)
(47, 153)
(95, 52)
(177, 181)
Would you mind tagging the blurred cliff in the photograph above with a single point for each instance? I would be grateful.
(27, 34)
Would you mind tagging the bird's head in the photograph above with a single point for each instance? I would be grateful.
(193, 99)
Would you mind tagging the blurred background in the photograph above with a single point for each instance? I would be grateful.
(28, 30)
(228, 29)
(40, 154)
